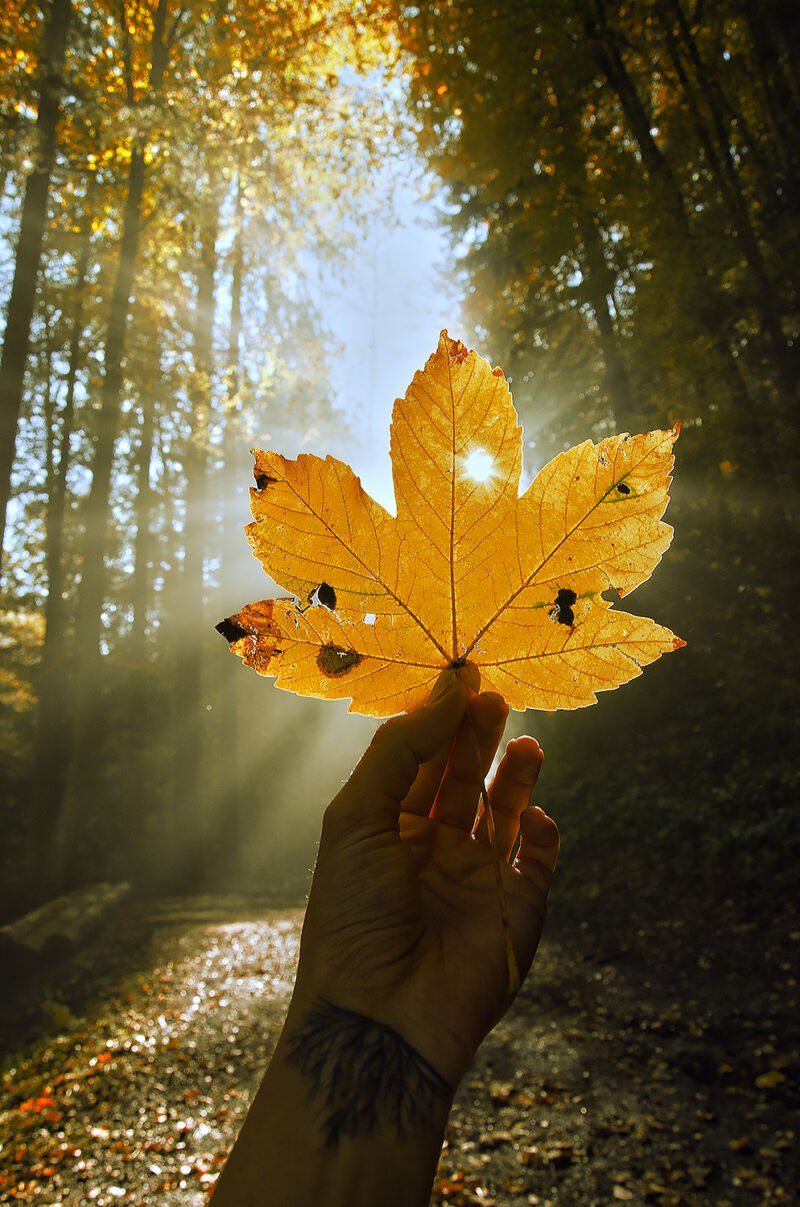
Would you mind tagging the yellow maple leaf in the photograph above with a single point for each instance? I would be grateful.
(467, 572)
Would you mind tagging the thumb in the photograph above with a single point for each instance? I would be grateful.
(373, 795)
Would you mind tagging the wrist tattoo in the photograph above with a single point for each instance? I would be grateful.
(366, 1075)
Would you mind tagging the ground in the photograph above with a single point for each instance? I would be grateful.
(650, 1059)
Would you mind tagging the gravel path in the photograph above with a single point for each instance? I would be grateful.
(633, 1075)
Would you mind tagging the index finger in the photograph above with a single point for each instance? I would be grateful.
(372, 797)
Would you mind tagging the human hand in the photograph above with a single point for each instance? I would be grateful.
(403, 923)
(402, 964)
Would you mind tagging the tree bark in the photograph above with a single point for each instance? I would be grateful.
(96, 510)
(233, 794)
(143, 541)
(720, 161)
(778, 86)
(89, 702)
(598, 279)
(598, 291)
(192, 804)
(669, 199)
(54, 720)
(16, 343)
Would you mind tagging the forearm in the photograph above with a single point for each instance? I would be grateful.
(347, 1114)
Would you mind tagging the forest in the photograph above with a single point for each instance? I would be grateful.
(618, 186)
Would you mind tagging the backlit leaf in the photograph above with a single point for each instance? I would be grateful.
(467, 571)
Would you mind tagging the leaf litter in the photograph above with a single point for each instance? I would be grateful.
(643, 1068)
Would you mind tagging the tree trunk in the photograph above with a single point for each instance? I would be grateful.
(704, 304)
(598, 279)
(192, 803)
(233, 795)
(54, 720)
(89, 703)
(143, 541)
(599, 290)
(778, 87)
(16, 343)
(96, 510)
(720, 161)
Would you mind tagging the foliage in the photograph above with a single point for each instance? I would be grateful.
(205, 157)
(618, 178)
(467, 573)
(21, 637)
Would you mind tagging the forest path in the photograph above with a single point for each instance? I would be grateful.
(633, 1073)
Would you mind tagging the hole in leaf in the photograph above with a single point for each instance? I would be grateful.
(369, 618)
(262, 480)
(325, 595)
(562, 609)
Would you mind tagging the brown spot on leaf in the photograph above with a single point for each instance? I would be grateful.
(623, 489)
(334, 661)
(459, 352)
(230, 630)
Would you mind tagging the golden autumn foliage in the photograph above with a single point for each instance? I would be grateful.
(467, 572)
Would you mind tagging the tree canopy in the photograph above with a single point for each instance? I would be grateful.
(620, 183)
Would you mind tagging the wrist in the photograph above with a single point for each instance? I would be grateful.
(348, 1115)
(365, 1078)
(423, 1021)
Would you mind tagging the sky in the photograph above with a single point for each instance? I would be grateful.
(385, 312)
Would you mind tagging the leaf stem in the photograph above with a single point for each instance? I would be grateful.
(512, 969)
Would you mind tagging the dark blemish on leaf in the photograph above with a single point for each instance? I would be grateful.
(326, 595)
(623, 489)
(611, 595)
(562, 609)
(262, 480)
(497, 372)
(459, 352)
(230, 630)
(334, 661)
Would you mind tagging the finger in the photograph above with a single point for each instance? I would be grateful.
(483, 710)
(373, 794)
(510, 793)
(539, 845)
(475, 746)
(423, 791)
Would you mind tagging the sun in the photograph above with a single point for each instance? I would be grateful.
(479, 465)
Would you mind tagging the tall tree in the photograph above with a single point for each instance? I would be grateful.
(54, 727)
(95, 516)
(177, 95)
(190, 755)
(16, 341)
